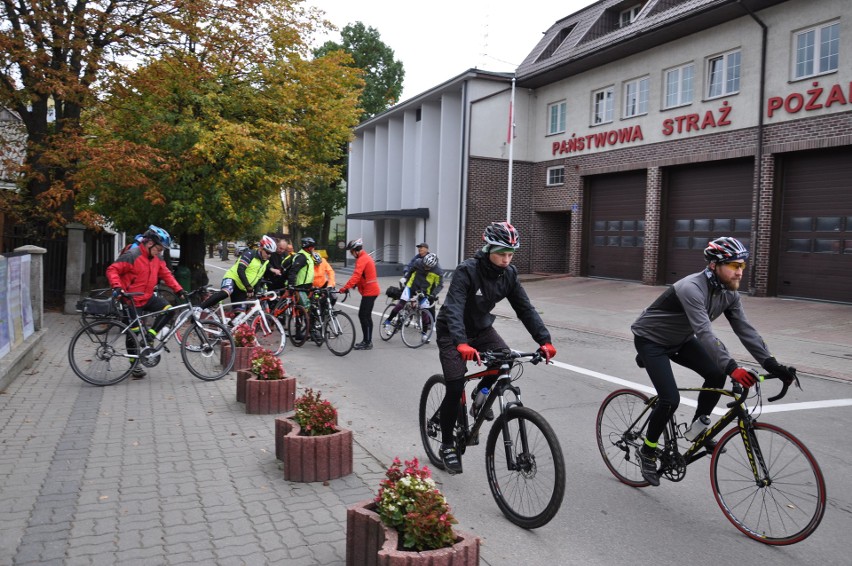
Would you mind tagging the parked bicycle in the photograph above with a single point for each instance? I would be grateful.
(267, 328)
(768, 485)
(322, 323)
(105, 351)
(414, 323)
(523, 458)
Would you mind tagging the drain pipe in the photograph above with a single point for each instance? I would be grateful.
(759, 164)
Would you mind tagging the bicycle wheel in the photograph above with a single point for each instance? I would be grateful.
(387, 332)
(526, 470)
(271, 335)
(619, 438)
(339, 333)
(417, 328)
(783, 507)
(99, 353)
(201, 350)
(168, 295)
(430, 418)
(297, 325)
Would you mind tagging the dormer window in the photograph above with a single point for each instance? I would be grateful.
(628, 16)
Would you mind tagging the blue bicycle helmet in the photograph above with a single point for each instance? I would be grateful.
(158, 236)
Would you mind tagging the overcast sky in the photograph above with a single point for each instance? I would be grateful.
(440, 39)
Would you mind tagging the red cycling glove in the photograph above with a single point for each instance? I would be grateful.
(469, 354)
(743, 377)
(548, 351)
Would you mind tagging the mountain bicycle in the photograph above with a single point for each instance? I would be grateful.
(415, 324)
(768, 485)
(523, 458)
(106, 351)
(322, 323)
(267, 328)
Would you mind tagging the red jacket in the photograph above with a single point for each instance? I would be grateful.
(364, 277)
(137, 272)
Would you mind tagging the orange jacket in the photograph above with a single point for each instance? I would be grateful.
(364, 277)
(323, 274)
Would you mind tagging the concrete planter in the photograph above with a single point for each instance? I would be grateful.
(370, 543)
(243, 376)
(312, 458)
(270, 396)
(242, 355)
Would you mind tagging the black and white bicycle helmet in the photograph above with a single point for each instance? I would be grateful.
(308, 242)
(430, 260)
(267, 244)
(355, 245)
(724, 250)
(317, 258)
(501, 235)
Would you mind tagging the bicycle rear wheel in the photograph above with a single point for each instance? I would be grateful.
(270, 335)
(417, 328)
(620, 436)
(387, 332)
(530, 490)
(339, 333)
(297, 326)
(430, 418)
(99, 353)
(783, 507)
(201, 350)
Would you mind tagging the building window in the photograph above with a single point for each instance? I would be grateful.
(816, 50)
(636, 97)
(679, 85)
(628, 16)
(723, 75)
(555, 176)
(556, 118)
(602, 106)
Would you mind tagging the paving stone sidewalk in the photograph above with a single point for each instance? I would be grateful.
(164, 470)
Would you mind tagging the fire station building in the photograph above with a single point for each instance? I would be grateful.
(641, 131)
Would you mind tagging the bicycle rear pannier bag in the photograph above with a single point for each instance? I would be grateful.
(394, 292)
(97, 307)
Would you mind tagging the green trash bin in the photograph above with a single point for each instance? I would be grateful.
(184, 277)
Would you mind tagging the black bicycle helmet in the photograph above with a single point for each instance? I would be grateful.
(157, 235)
(430, 260)
(355, 245)
(308, 242)
(501, 235)
(724, 250)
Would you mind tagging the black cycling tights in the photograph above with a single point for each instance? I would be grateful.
(365, 317)
(657, 359)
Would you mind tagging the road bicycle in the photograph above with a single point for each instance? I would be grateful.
(768, 484)
(415, 324)
(523, 458)
(267, 328)
(322, 323)
(107, 350)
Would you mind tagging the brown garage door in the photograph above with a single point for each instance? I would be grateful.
(703, 202)
(616, 232)
(815, 247)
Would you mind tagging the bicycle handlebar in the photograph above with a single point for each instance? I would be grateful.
(507, 355)
(737, 388)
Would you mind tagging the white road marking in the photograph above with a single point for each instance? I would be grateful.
(767, 408)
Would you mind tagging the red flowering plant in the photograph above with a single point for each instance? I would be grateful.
(315, 415)
(244, 336)
(265, 365)
(409, 502)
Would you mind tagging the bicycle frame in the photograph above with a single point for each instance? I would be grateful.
(256, 308)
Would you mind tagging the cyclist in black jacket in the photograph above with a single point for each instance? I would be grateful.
(464, 325)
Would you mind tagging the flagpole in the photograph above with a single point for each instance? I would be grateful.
(510, 141)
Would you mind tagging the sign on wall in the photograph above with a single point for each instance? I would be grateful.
(16, 311)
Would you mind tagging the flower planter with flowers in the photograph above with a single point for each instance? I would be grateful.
(245, 342)
(310, 444)
(407, 524)
(268, 391)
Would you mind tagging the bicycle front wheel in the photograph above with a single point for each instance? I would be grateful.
(620, 436)
(386, 331)
(269, 333)
(430, 418)
(100, 352)
(782, 507)
(201, 350)
(417, 328)
(526, 470)
(339, 333)
(297, 326)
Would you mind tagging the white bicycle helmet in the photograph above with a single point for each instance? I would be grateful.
(267, 244)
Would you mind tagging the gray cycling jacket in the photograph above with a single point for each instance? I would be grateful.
(688, 307)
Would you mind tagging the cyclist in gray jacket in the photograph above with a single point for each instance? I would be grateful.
(677, 328)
